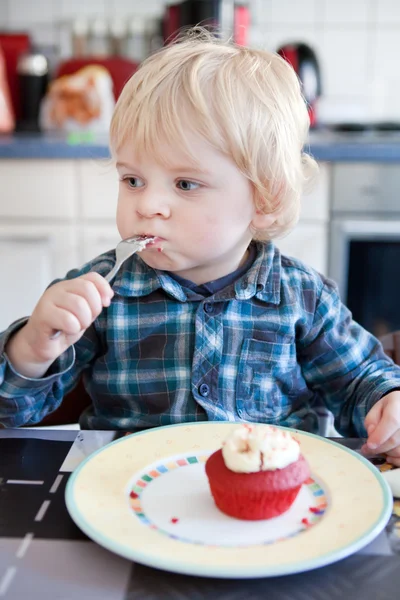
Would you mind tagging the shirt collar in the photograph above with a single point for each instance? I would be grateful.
(262, 280)
(136, 279)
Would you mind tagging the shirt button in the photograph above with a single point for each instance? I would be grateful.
(204, 390)
(208, 307)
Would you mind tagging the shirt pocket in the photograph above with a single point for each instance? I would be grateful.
(266, 380)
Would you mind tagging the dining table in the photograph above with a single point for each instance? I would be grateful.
(44, 555)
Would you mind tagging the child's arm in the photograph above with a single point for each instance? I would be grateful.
(344, 363)
(35, 370)
(70, 306)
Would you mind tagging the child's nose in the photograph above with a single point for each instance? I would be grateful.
(153, 204)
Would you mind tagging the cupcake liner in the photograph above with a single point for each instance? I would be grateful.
(253, 506)
(255, 496)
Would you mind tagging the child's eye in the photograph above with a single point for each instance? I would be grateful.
(187, 186)
(134, 182)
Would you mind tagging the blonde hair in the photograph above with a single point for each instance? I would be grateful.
(246, 103)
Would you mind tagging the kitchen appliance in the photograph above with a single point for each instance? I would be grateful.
(203, 12)
(227, 17)
(32, 70)
(304, 61)
(7, 121)
(364, 248)
(13, 46)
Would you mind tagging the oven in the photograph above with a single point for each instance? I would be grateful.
(364, 245)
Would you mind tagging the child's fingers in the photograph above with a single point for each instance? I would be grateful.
(385, 415)
(373, 417)
(384, 430)
(82, 294)
(390, 445)
(103, 287)
(65, 321)
(393, 457)
(84, 297)
(371, 422)
(386, 436)
(79, 307)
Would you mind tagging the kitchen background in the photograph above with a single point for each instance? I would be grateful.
(356, 42)
(58, 188)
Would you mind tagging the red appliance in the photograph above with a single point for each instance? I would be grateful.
(241, 24)
(120, 69)
(13, 46)
(7, 120)
(304, 61)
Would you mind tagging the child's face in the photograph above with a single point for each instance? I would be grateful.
(201, 214)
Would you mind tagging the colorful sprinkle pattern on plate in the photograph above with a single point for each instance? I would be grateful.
(308, 512)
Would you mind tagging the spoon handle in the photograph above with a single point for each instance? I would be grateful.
(113, 271)
(133, 245)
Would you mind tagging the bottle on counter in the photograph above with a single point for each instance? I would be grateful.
(33, 70)
(136, 39)
(80, 32)
(154, 34)
(99, 38)
(118, 37)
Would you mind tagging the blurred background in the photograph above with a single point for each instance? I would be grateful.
(355, 42)
(62, 66)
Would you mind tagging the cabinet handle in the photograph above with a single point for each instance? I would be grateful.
(25, 240)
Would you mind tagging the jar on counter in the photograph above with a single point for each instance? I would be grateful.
(136, 48)
(99, 38)
(118, 37)
(80, 31)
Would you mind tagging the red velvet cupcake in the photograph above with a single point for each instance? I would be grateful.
(258, 473)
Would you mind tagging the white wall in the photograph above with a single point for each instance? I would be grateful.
(355, 40)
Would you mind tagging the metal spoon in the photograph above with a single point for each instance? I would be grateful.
(125, 249)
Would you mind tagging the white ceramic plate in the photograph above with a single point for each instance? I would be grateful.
(146, 498)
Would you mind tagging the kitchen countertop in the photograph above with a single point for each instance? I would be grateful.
(323, 145)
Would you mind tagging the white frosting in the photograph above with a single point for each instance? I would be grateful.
(252, 448)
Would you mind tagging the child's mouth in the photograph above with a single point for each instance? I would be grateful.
(154, 241)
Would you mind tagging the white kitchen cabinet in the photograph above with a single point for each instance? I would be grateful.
(38, 189)
(97, 239)
(309, 239)
(315, 202)
(98, 189)
(308, 243)
(31, 256)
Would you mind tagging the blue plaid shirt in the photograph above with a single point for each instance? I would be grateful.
(269, 347)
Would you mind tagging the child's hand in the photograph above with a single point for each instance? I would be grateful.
(69, 306)
(383, 426)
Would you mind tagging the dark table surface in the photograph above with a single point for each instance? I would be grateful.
(43, 555)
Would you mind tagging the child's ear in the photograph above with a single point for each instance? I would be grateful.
(263, 221)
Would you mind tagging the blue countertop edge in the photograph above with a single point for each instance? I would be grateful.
(323, 146)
